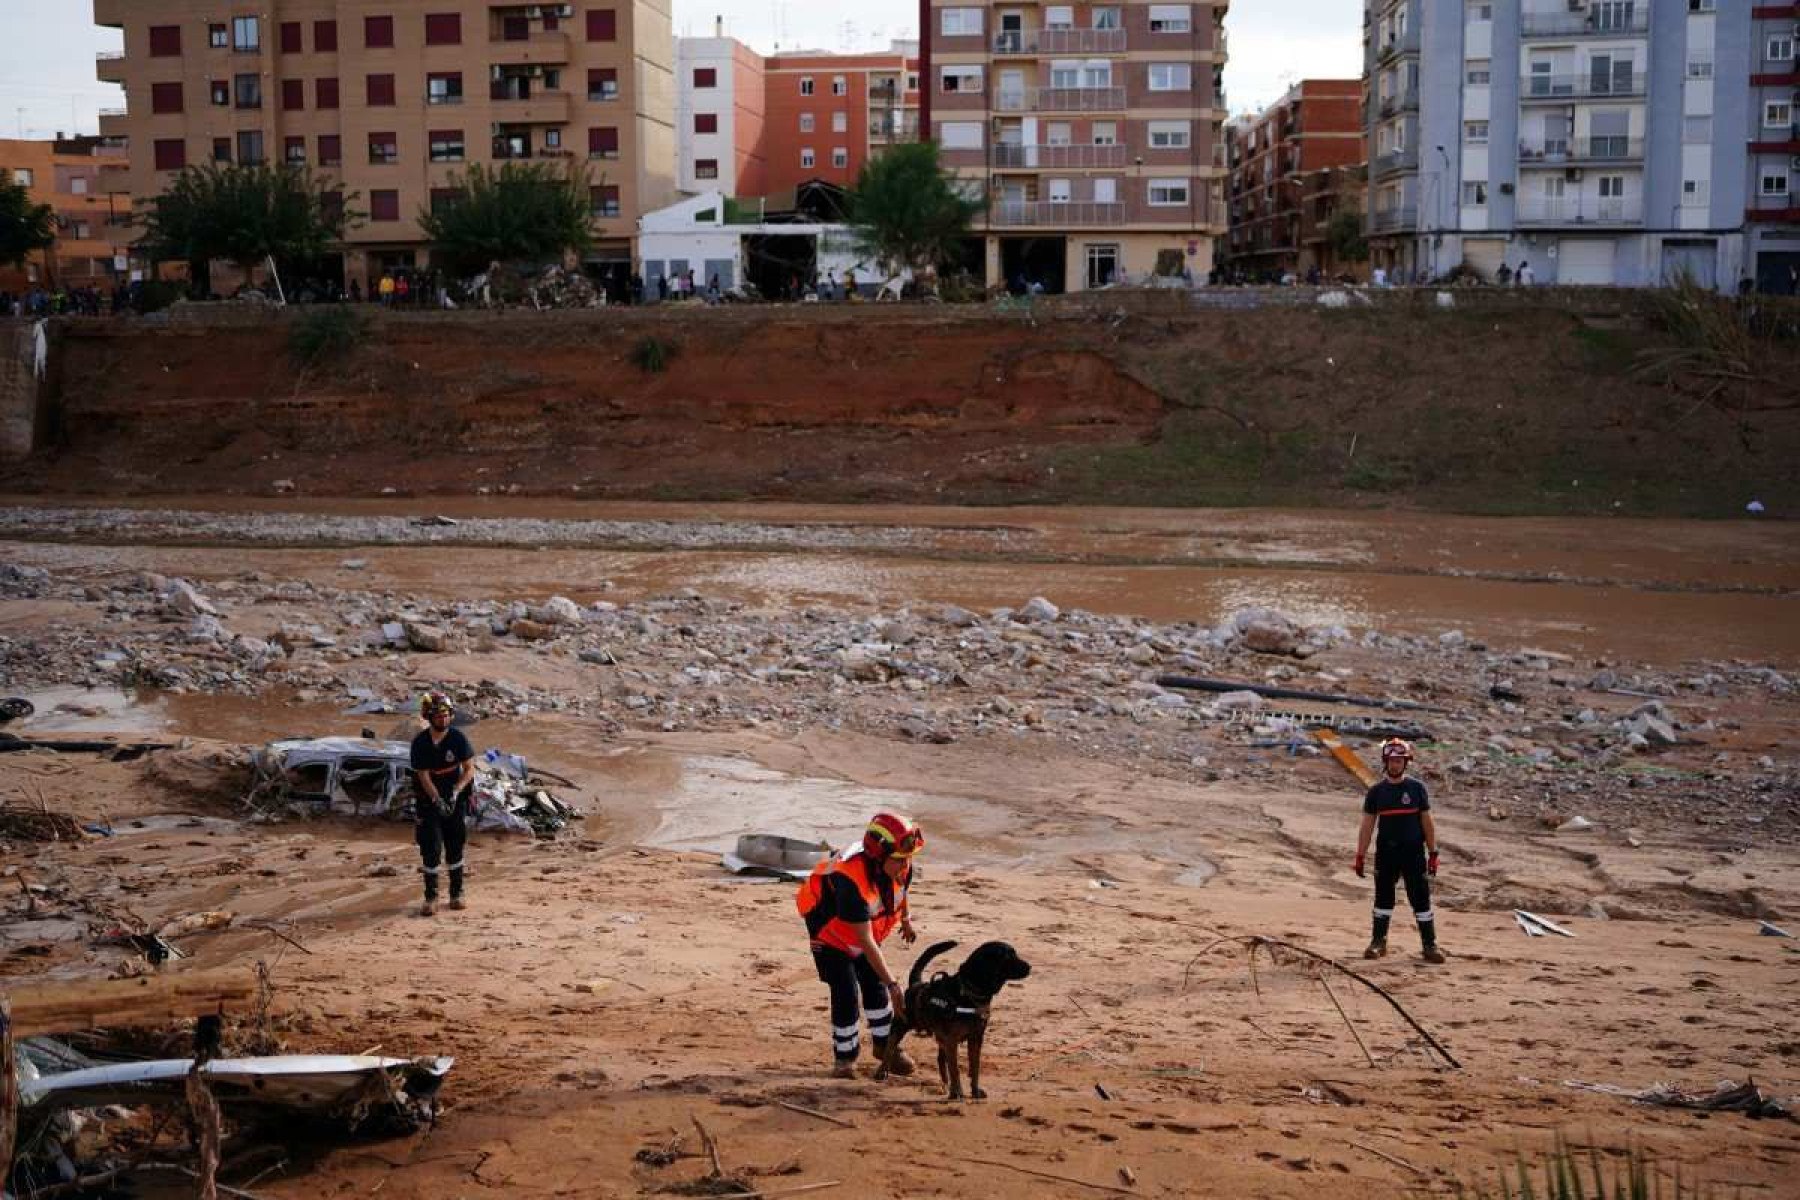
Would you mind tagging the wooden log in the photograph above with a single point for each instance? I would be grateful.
(115, 1003)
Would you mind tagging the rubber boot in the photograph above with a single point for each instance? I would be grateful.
(1428, 945)
(456, 890)
(843, 1068)
(903, 1063)
(1377, 949)
(429, 908)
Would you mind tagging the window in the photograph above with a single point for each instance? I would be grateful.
(1700, 68)
(806, 156)
(170, 155)
(1106, 133)
(246, 91)
(807, 123)
(384, 205)
(1106, 18)
(1780, 49)
(1700, 5)
(553, 139)
(325, 37)
(706, 168)
(1612, 187)
(1777, 114)
(442, 199)
(960, 135)
(220, 92)
(1065, 73)
(840, 157)
(444, 88)
(603, 83)
(246, 34)
(839, 85)
(603, 201)
(443, 29)
(384, 148)
(1167, 193)
(221, 150)
(1059, 191)
(1170, 135)
(1106, 191)
(959, 22)
(706, 122)
(292, 37)
(1478, 72)
(293, 94)
(218, 37)
(165, 97)
(1475, 131)
(705, 77)
(806, 85)
(840, 122)
(250, 147)
(1694, 193)
(961, 79)
(1478, 11)
(378, 33)
(1171, 18)
(380, 89)
(446, 145)
(1696, 131)
(78, 186)
(1059, 133)
(331, 150)
(1474, 193)
(603, 142)
(602, 25)
(1775, 185)
(325, 93)
(165, 41)
(1171, 77)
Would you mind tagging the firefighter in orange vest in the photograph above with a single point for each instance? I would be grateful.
(851, 904)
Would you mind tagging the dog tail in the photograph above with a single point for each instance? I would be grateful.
(919, 965)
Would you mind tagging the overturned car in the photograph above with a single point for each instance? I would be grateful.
(364, 777)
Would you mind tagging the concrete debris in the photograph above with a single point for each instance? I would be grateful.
(1728, 1096)
(526, 629)
(775, 856)
(1766, 929)
(557, 610)
(182, 599)
(557, 288)
(1575, 825)
(427, 638)
(1038, 609)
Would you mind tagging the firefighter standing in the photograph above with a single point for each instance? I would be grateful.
(443, 766)
(1398, 813)
(851, 903)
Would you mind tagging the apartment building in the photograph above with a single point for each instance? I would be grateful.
(1092, 131)
(84, 180)
(1282, 175)
(1773, 172)
(720, 117)
(394, 98)
(1597, 140)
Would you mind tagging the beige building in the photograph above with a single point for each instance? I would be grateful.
(1091, 130)
(83, 179)
(394, 98)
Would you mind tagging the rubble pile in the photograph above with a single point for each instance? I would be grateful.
(558, 288)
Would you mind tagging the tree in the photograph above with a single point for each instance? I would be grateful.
(1345, 237)
(906, 210)
(515, 212)
(243, 215)
(25, 228)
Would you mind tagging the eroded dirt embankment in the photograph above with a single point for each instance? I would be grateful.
(1533, 410)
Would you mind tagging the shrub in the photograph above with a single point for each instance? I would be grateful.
(652, 355)
(334, 331)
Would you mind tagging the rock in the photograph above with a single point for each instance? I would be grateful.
(1143, 654)
(428, 638)
(182, 599)
(529, 630)
(863, 663)
(951, 614)
(599, 656)
(1597, 911)
(919, 731)
(1576, 824)
(1452, 639)
(283, 485)
(393, 632)
(1653, 730)
(1235, 700)
(1267, 632)
(1496, 813)
(355, 564)
(1039, 609)
(557, 610)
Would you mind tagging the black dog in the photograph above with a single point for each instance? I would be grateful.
(954, 1009)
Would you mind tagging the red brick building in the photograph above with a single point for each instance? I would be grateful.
(1279, 186)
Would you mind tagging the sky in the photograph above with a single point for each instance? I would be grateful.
(47, 48)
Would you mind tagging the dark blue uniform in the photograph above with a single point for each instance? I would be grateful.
(1398, 809)
(441, 827)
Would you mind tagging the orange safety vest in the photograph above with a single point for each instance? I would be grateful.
(862, 871)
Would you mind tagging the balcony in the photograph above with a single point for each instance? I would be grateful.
(110, 14)
(1560, 89)
(1396, 160)
(1056, 213)
(1388, 219)
(1035, 158)
(544, 108)
(1777, 143)
(1406, 43)
(109, 66)
(1030, 42)
(1635, 21)
(1784, 209)
(884, 93)
(112, 122)
(1582, 210)
(1096, 99)
(1571, 151)
(891, 129)
(541, 49)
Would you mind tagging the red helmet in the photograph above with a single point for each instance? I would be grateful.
(891, 836)
(1395, 748)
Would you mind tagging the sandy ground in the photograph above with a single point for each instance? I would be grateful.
(608, 988)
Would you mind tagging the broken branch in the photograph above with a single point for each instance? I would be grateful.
(1100, 1187)
(813, 1112)
(1385, 1156)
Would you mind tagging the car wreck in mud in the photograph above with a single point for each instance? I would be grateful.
(365, 777)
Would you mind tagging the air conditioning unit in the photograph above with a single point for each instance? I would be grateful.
(1576, 6)
(497, 73)
(1573, 174)
(565, 10)
(534, 13)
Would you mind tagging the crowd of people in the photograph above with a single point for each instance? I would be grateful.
(39, 302)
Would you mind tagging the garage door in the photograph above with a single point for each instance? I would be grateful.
(1692, 258)
(1485, 255)
(1585, 261)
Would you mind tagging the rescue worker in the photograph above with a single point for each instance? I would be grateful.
(443, 766)
(1398, 813)
(851, 903)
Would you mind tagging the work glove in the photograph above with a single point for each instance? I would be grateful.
(1431, 864)
(1359, 866)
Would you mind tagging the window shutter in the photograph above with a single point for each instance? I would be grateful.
(443, 29)
(325, 37)
(378, 32)
(291, 38)
(381, 91)
(165, 97)
(293, 94)
(327, 91)
(602, 25)
(171, 154)
(165, 41)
